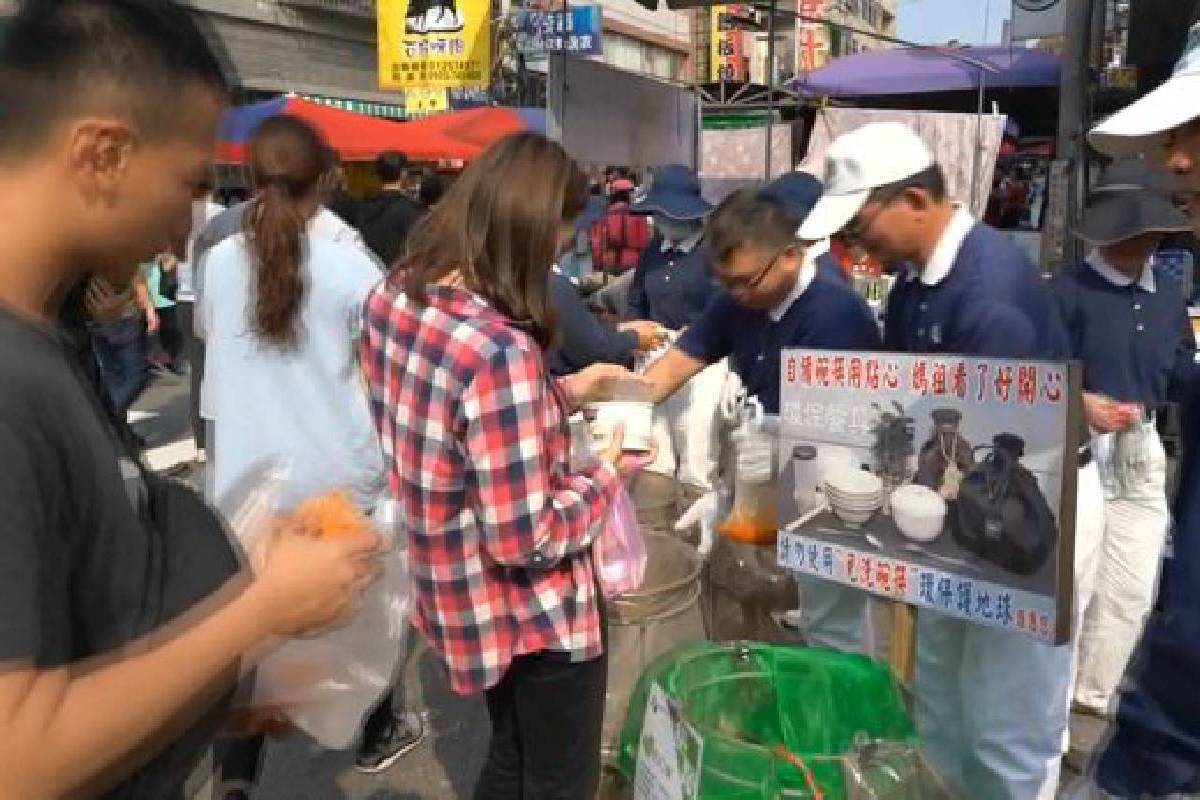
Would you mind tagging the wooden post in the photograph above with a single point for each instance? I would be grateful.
(903, 642)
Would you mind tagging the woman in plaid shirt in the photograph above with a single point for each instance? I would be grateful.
(475, 435)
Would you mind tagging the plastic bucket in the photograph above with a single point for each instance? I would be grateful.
(654, 620)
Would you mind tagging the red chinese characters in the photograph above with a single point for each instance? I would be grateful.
(901, 579)
(1052, 386)
(937, 379)
(959, 380)
(1004, 382)
(873, 374)
(837, 371)
(919, 376)
(806, 370)
(855, 375)
(883, 576)
(985, 370)
(821, 372)
(1027, 384)
(790, 372)
(891, 375)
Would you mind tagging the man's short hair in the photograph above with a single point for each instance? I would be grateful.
(391, 166)
(60, 58)
(751, 218)
(931, 179)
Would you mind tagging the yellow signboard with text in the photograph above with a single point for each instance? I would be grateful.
(726, 57)
(421, 102)
(434, 44)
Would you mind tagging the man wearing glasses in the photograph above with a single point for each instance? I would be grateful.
(991, 705)
(773, 298)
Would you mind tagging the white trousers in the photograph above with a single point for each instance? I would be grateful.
(687, 430)
(992, 706)
(1123, 589)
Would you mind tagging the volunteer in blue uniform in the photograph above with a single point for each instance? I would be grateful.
(1155, 747)
(582, 339)
(672, 285)
(800, 192)
(773, 298)
(1128, 324)
(991, 704)
(673, 281)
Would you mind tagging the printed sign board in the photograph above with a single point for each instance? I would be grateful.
(577, 31)
(727, 58)
(434, 43)
(942, 482)
(1036, 19)
(670, 752)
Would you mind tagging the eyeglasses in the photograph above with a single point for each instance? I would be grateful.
(743, 285)
(856, 230)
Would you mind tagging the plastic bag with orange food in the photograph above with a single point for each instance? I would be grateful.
(326, 684)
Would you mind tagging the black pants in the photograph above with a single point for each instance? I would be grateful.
(546, 717)
(193, 347)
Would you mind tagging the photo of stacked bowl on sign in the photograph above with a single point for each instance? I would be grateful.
(854, 495)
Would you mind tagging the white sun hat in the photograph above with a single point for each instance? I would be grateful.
(1144, 124)
(866, 158)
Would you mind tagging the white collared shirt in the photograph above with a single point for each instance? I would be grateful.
(946, 252)
(804, 279)
(686, 246)
(1104, 269)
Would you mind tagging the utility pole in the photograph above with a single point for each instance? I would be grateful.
(1069, 172)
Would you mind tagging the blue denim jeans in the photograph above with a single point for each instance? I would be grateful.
(121, 349)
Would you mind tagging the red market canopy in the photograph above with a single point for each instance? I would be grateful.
(472, 129)
(356, 137)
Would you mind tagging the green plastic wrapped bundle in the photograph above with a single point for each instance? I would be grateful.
(777, 721)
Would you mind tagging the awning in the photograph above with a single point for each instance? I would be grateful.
(876, 73)
(354, 136)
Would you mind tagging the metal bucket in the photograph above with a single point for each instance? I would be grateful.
(645, 624)
(656, 499)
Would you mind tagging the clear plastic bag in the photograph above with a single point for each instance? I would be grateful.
(325, 685)
(619, 551)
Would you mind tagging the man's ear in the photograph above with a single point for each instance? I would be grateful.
(918, 199)
(99, 151)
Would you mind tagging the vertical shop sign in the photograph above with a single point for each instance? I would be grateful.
(434, 44)
(727, 59)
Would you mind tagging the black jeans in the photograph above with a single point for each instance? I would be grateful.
(193, 347)
(546, 716)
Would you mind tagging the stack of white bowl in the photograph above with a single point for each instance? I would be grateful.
(854, 495)
(919, 512)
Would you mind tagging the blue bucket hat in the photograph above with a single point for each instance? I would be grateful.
(799, 191)
(675, 193)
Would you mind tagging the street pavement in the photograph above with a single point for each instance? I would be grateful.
(443, 767)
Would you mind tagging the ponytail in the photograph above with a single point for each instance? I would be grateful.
(277, 228)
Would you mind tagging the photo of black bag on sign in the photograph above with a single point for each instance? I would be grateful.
(1002, 515)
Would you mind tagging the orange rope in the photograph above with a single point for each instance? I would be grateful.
(797, 762)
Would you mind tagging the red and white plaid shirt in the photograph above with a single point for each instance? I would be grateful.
(475, 436)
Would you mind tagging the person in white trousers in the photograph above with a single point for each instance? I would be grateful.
(1128, 325)
(991, 704)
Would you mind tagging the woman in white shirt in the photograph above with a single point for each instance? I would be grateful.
(281, 309)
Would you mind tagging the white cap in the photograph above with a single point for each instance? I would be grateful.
(867, 158)
(1139, 127)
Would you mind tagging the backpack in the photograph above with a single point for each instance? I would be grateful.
(618, 239)
(1002, 515)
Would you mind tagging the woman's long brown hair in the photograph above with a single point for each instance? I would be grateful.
(498, 225)
(287, 158)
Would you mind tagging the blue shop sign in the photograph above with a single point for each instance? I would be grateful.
(575, 31)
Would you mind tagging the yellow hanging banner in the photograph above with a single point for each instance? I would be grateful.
(434, 44)
(421, 102)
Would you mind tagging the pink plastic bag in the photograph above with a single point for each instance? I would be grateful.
(619, 551)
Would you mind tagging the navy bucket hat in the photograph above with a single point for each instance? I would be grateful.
(675, 193)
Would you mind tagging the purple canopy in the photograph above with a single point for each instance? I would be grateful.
(917, 71)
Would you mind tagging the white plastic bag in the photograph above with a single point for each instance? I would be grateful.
(327, 684)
